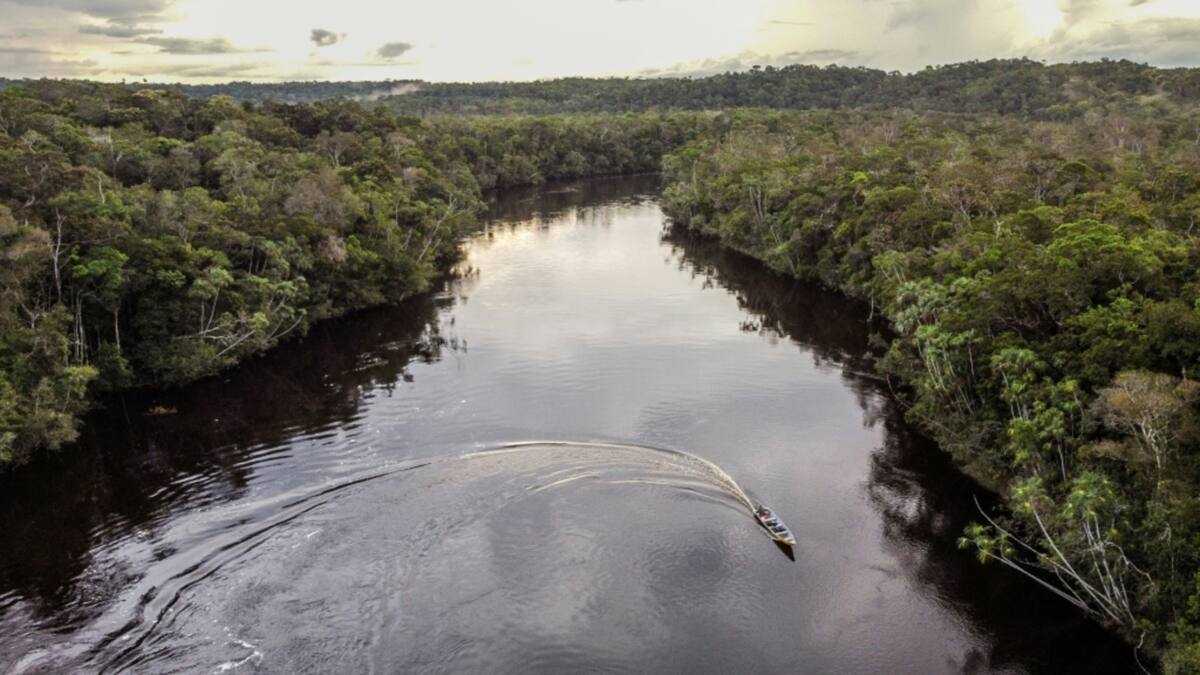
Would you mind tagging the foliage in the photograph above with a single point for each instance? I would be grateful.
(1042, 286)
(1004, 86)
(521, 150)
(1021, 86)
(148, 238)
(1029, 230)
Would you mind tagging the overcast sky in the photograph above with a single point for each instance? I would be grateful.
(215, 40)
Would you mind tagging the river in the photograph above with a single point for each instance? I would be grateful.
(352, 501)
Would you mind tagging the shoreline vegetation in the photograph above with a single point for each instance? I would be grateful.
(1041, 280)
(150, 239)
(1029, 232)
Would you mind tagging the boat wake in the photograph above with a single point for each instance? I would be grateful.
(681, 462)
(685, 461)
(340, 547)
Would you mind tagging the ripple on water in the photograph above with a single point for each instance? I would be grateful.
(232, 535)
(523, 555)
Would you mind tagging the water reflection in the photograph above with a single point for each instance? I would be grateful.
(143, 458)
(923, 501)
(576, 317)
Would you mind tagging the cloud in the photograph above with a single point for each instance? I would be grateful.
(915, 14)
(205, 70)
(898, 35)
(178, 45)
(27, 50)
(1162, 41)
(324, 38)
(36, 62)
(394, 50)
(370, 63)
(842, 56)
(119, 30)
(115, 10)
(1077, 11)
(904, 35)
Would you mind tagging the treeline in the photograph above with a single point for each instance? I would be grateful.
(1012, 86)
(1043, 283)
(281, 92)
(1021, 86)
(294, 92)
(1030, 231)
(148, 238)
(529, 150)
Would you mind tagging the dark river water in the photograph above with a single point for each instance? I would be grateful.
(352, 501)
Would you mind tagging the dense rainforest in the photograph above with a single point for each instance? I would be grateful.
(148, 238)
(278, 92)
(1042, 282)
(1002, 86)
(1020, 86)
(1029, 231)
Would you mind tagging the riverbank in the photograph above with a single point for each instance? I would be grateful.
(343, 463)
(1040, 294)
(173, 240)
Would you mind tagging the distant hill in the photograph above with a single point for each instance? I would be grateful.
(283, 92)
(1018, 86)
(1014, 86)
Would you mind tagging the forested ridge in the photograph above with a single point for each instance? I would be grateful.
(1041, 280)
(279, 92)
(1029, 232)
(1006, 86)
(1019, 86)
(1012, 86)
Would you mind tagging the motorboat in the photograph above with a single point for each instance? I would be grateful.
(774, 526)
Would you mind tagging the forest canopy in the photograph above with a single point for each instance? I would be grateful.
(151, 239)
(1028, 231)
(1012, 86)
(1041, 282)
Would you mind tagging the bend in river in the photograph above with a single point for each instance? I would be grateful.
(353, 500)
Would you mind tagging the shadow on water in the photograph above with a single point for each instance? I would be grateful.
(145, 459)
(546, 203)
(786, 550)
(925, 502)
